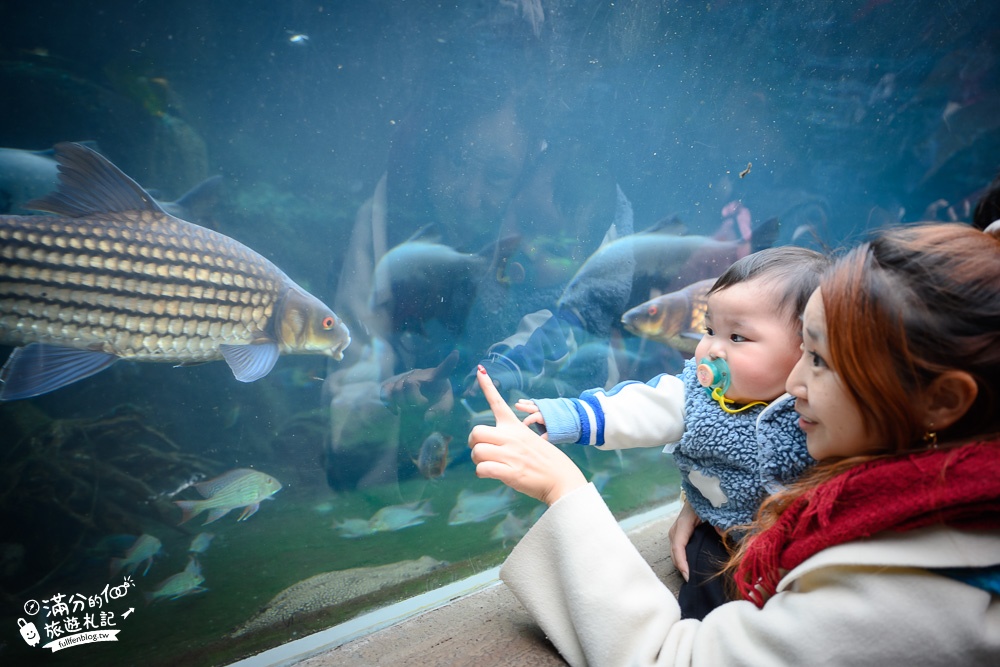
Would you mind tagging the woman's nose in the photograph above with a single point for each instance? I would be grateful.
(794, 384)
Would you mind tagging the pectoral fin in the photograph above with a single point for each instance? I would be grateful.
(250, 362)
(38, 368)
(249, 511)
(216, 514)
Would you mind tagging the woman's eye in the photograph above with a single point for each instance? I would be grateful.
(817, 361)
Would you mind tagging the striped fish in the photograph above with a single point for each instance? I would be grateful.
(241, 487)
(112, 276)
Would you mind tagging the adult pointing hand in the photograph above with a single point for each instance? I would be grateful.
(517, 456)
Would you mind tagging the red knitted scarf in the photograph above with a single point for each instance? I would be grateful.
(959, 487)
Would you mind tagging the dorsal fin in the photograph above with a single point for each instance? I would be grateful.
(429, 233)
(90, 184)
(670, 225)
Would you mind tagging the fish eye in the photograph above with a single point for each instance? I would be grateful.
(328, 322)
(653, 310)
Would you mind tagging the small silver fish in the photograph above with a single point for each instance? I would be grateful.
(397, 517)
(475, 507)
(352, 528)
(143, 550)
(199, 544)
(433, 457)
(186, 582)
(241, 487)
(513, 527)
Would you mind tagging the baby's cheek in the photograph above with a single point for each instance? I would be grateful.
(765, 385)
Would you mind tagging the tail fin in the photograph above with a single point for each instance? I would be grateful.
(190, 508)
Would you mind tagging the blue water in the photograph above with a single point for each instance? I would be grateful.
(514, 132)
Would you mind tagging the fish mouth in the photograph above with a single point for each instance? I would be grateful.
(337, 352)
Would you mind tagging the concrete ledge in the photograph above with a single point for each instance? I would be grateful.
(486, 628)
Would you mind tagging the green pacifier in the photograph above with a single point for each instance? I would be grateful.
(713, 374)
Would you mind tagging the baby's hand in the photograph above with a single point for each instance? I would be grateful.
(526, 405)
(534, 414)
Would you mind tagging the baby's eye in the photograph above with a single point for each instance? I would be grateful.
(709, 332)
(736, 338)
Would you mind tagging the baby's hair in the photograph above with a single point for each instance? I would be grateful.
(793, 271)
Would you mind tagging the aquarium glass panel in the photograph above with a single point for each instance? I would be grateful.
(252, 254)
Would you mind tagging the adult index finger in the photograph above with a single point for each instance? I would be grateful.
(501, 411)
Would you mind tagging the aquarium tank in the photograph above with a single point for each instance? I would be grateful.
(251, 254)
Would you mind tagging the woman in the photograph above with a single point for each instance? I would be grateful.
(889, 550)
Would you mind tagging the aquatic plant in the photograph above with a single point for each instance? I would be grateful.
(64, 482)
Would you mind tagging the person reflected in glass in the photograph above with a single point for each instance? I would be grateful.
(468, 239)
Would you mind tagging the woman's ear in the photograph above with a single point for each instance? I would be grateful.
(948, 398)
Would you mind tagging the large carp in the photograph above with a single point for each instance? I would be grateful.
(676, 319)
(112, 276)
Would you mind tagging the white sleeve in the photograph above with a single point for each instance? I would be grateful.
(640, 415)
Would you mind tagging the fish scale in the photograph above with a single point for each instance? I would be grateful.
(50, 283)
(112, 275)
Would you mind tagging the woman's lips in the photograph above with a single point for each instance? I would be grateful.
(805, 423)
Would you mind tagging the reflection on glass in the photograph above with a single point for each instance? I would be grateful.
(538, 186)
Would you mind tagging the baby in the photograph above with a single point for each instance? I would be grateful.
(726, 418)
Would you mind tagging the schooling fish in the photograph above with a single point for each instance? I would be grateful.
(676, 319)
(513, 527)
(186, 582)
(241, 487)
(475, 507)
(396, 517)
(199, 544)
(143, 550)
(351, 528)
(113, 276)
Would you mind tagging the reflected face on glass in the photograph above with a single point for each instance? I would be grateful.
(474, 176)
(745, 326)
(829, 415)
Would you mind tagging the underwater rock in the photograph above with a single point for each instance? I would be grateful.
(333, 588)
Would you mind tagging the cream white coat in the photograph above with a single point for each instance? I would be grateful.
(870, 602)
